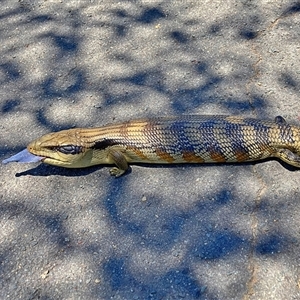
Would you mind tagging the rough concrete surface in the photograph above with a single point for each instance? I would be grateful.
(183, 232)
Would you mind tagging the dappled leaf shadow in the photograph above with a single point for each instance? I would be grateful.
(188, 237)
(151, 15)
(293, 9)
(11, 71)
(219, 245)
(51, 89)
(179, 37)
(117, 274)
(54, 224)
(271, 244)
(41, 18)
(289, 81)
(146, 230)
(174, 282)
(10, 105)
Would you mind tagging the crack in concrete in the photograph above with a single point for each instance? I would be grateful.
(255, 76)
(255, 51)
(253, 267)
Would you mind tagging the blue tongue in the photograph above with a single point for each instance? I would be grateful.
(23, 157)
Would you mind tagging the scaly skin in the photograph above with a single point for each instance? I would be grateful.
(185, 139)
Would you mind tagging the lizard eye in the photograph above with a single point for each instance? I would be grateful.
(69, 149)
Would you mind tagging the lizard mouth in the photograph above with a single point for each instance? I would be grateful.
(23, 157)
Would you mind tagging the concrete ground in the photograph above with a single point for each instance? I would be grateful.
(184, 232)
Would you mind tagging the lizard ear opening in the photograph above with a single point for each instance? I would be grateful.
(23, 157)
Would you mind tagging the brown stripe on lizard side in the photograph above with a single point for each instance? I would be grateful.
(164, 155)
(191, 157)
(137, 152)
(217, 157)
(241, 155)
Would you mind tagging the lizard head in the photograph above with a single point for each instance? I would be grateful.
(61, 148)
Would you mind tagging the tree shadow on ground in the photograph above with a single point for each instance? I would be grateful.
(66, 80)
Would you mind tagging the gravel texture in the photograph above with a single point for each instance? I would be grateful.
(187, 232)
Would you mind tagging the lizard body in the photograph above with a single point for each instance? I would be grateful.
(167, 140)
